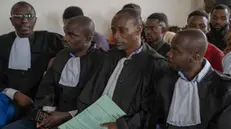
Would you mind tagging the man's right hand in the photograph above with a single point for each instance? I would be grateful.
(22, 99)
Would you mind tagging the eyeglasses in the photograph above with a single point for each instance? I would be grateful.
(22, 16)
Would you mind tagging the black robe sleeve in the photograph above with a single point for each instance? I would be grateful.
(54, 43)
(86, 97)
(46, 90)
(2, 86)
(222, 121)
(142, 118)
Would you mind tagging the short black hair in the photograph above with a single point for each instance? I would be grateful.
(221, 6)
(198, 13)
(161, 17)
(133, 14)
(21, 3)
(72, 11)
(85, 22)
(132, 6)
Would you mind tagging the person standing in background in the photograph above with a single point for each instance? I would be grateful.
(155, 28)
(199, 20)
(226, 62)
(219, 26)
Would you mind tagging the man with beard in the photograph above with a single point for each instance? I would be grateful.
(128, 73)
(192, 95)
(199, 20)
(24, 55)
(219, 25)
(155, 28)
(64, 81)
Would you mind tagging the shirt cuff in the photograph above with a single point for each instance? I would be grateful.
(10, 92)
(49, 108)
(73, 112)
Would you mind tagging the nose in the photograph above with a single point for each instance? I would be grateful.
(219, 21)
(24, 20)
(148, 31)
(197, 27)
(116, 34)
(66, 41)
(66, 38)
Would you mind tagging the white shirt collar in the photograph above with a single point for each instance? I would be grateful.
(137, 51)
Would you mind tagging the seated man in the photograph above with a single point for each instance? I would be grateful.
(69, 73)
(99, 39)
(192, 95)
(128, 73)
(24, 53)
(199, 20)
(155, 28)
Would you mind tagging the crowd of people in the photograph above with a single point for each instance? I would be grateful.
(161, 79)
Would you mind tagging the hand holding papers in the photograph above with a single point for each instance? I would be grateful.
(104, 110)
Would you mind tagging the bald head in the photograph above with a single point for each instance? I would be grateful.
(85, 23)
(22, 4)
(192, 40)
(79, 32)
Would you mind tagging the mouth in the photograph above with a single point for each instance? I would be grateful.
(217, 27)
(66, 44)
(149, 38)
(25, 28)
(118, 43)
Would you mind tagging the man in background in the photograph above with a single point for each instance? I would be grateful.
(219, 26)
(155, 28)
(199, 20)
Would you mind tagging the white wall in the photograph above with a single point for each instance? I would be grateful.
(49, 12)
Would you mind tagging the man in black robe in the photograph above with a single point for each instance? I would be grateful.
(64, 81)
(128, 73)
(100, 40)
(192, 95)
(24, 54)
(155, 27)
(137, 8)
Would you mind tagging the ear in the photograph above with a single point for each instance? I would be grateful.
(164, 30)
(89, 37)
(139, 29)
(195, 58)
(35, 20)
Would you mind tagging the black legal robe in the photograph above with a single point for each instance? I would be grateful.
(134, 85)
(44, 46)
(215, 101)
(51, 93)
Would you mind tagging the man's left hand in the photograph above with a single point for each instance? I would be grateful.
(111, 125)
(55, 119)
